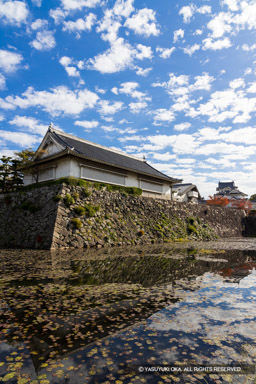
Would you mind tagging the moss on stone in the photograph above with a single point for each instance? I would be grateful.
(80, 211)
(76, 223)
(91, 210)
(68, 200)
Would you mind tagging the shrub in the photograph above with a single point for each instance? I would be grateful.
(75, 195)
(86, 193)
(126, 190)
(91, 210)
(79, 210)
(192, 229)
(76, 223)
(68, 200)
(191, 220)
(57, 198)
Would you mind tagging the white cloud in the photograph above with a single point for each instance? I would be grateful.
(182, 126)
(137, 107)
(71, 70)
(143, 23)
(179, 33)
(37, 3)
(198, 32)
(106, 108)
(164, 156)
(65, 61)
(204, 9)
(111, 21)
(143, 52)
(245, 135)
(232, 4)
(248, 71)
(30, 123)
(44, 41)
(58, 14)
(39, 24)
(220, 24)
(165, 53)
(87, 124)
(115, 59)
(71, 5)
(110, 24)
(2, 82)
(20, 138)
(237, 83)
(123, 7)
(9, 61)
(248, 48)
(118, 57)
(187, 12)
(130, 88)
(202, 82)
(252, 88)
(163, 116)
(191, 49)
(13, 12)
(80, 25)
(143, 71)
(179, 88)
(59, 100)
(215, 45)
(228, 104)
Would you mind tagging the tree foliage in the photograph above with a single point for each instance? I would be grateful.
(11, 177)
(217, 201)
(253, 197)
(244, 204)
(12, 170)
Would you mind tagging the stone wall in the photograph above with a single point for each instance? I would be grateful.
(27, 219)
(71, 216)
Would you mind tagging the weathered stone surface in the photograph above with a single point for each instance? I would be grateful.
(120, 220)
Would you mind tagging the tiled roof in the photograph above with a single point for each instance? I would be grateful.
(105, 155)
(230, 184)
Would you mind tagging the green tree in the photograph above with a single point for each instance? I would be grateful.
(26, 158)
(253, 197)
(16, 174)
(5, 173)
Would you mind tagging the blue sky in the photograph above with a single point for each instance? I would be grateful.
(171, 80)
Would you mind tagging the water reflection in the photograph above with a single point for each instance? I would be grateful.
(90, 316)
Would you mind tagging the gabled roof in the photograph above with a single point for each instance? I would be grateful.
(181, 189)
(91, 151)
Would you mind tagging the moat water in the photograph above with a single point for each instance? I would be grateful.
(181, 313)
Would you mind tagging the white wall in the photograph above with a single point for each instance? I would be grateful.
(51, 149)
(63, 168)
(132, 180)
(70, 167)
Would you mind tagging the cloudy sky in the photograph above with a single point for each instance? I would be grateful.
(171, 80)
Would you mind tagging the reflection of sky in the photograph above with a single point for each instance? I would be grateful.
(227, 307)
(213, 325)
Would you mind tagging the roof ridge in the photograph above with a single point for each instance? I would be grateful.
(62, 133)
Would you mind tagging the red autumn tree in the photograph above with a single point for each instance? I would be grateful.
(244, 204)
(217, 201)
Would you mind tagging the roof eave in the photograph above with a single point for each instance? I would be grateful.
(70, 152)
